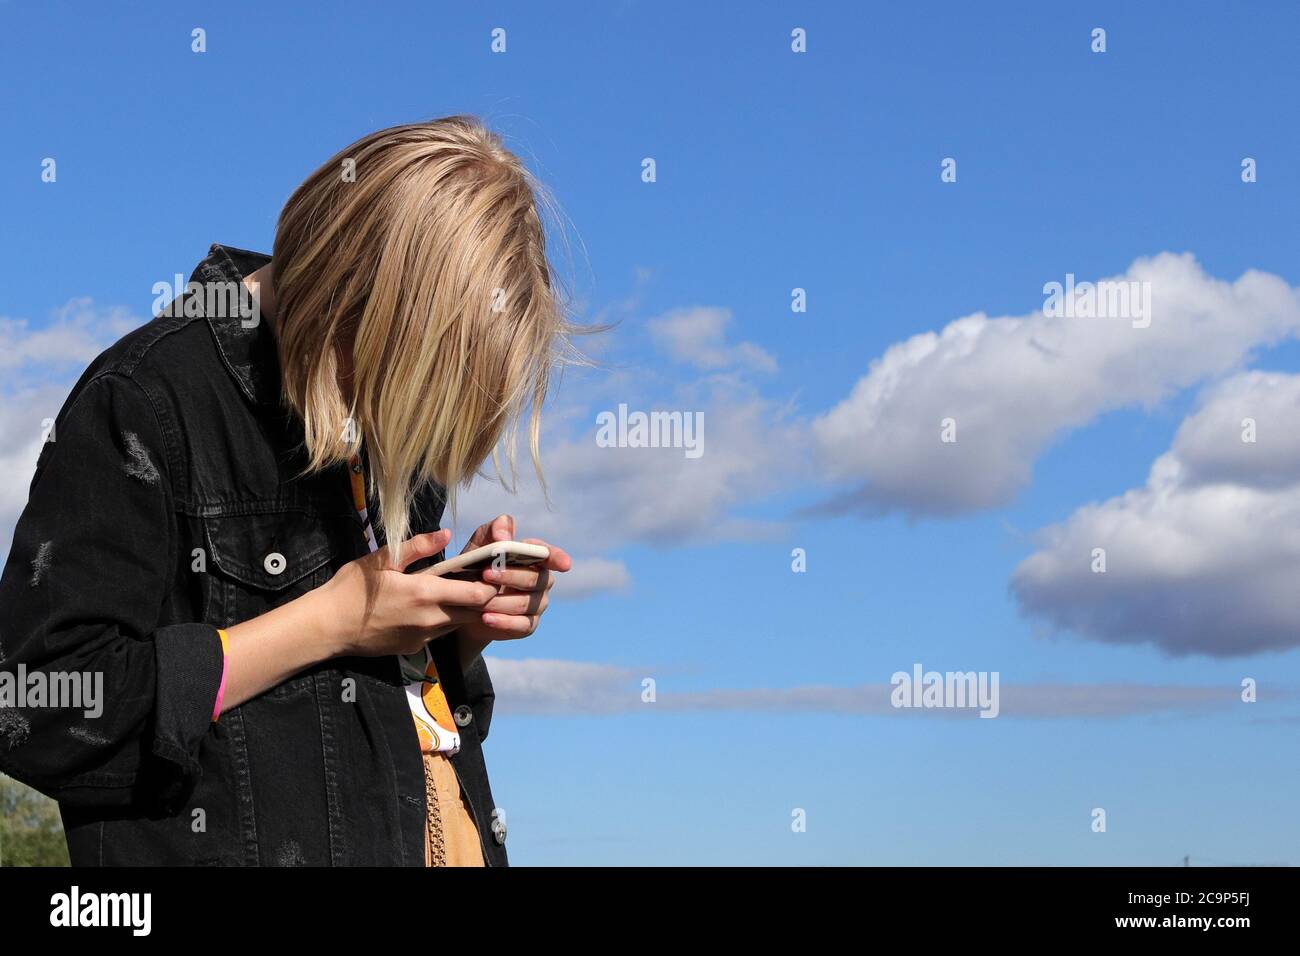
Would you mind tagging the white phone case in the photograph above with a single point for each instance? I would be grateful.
(516, 554)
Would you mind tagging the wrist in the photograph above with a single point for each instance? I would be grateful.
(321, 617)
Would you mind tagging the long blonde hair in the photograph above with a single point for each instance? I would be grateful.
(417, 255)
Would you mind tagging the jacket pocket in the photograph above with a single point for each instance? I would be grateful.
(260, 561)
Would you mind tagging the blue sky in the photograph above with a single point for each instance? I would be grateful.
(818, 171)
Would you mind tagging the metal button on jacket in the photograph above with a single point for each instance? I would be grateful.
(463, 716)
(499, 831)
(274, 563)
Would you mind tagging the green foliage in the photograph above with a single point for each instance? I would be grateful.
(31, 833)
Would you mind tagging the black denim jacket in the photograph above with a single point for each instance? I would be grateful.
(169, 504)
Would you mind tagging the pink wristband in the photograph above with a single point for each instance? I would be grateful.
(221, 688)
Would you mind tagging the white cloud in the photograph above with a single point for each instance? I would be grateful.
(566, 688)
(602, 499)
(1209, 444)
(539, 686)
(1013, 384)
(1205, 557)
(697, 336)
(76, 333)
(606, 498)
(591, 576)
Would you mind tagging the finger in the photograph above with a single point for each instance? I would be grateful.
(439, 590)
(559, 559)
(503, 528)
(500, 528)
(421, 546)
(482, 535)
(510, 625)
(517, 579)
(528, 602)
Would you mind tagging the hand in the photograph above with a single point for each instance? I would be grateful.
(370, 608)
(516, 610)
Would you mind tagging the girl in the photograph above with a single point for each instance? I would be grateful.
(227, 529)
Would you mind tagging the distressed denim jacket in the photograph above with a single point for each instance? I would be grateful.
(169, 501)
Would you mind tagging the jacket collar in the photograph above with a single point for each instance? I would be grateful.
(250, 356)
(247, 348)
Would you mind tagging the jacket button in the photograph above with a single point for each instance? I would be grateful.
(499, 831)
(463, 716)
(274, 563)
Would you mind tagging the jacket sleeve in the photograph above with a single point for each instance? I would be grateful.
(89, 570)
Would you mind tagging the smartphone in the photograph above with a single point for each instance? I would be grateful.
(471, 565)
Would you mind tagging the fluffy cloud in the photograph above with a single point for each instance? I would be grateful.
(1205, 557)
(697, 336)
(1013, 384)
(75, 334)
(600, 498)
(605, 498)
(1209, 447)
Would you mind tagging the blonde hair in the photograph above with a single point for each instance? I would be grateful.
(426, 271)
